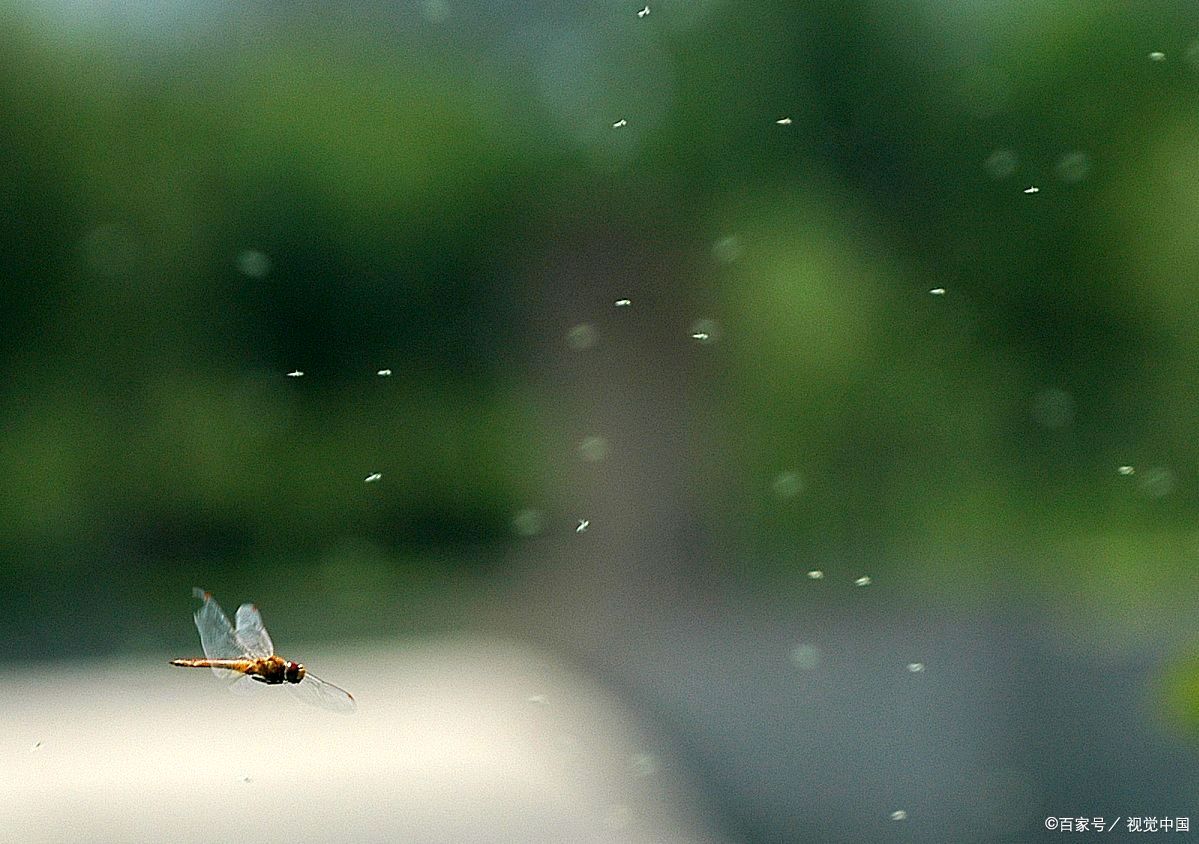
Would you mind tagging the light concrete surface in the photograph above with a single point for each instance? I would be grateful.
(453, 741)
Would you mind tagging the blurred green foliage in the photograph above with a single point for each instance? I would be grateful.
(406, 173)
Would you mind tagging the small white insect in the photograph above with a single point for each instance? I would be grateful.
(1157, 56)
(370, 479)
(704, 331)
(643, 12)
(915, 667)
(536, 699)
(864, 580)
(785, 121)
(815, 574)
(899, 815)
(620, 123)
(295, 373)
(1032, 189)
(583, 525)
(623, 303)
(384, 372)
(1126, 470)
(938, 291)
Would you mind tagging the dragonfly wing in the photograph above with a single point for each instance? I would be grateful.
(250, 633)
(242, 684)
(216, 633)
(317, 692)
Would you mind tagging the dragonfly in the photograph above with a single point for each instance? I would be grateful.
(244, 654)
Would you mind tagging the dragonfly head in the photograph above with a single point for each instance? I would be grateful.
(293, 672)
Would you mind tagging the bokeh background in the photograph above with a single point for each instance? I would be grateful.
(890, 464)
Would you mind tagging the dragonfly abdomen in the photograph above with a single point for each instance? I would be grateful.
(245, 666)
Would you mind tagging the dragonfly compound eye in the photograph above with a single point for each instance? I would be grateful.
(293, 672)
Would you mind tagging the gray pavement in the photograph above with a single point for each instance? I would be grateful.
(453, 741)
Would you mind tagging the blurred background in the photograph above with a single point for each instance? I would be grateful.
(784, 417)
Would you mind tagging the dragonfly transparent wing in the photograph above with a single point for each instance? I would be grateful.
(242, 684)
(250, 633)
(317, 692)
(216, 633)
